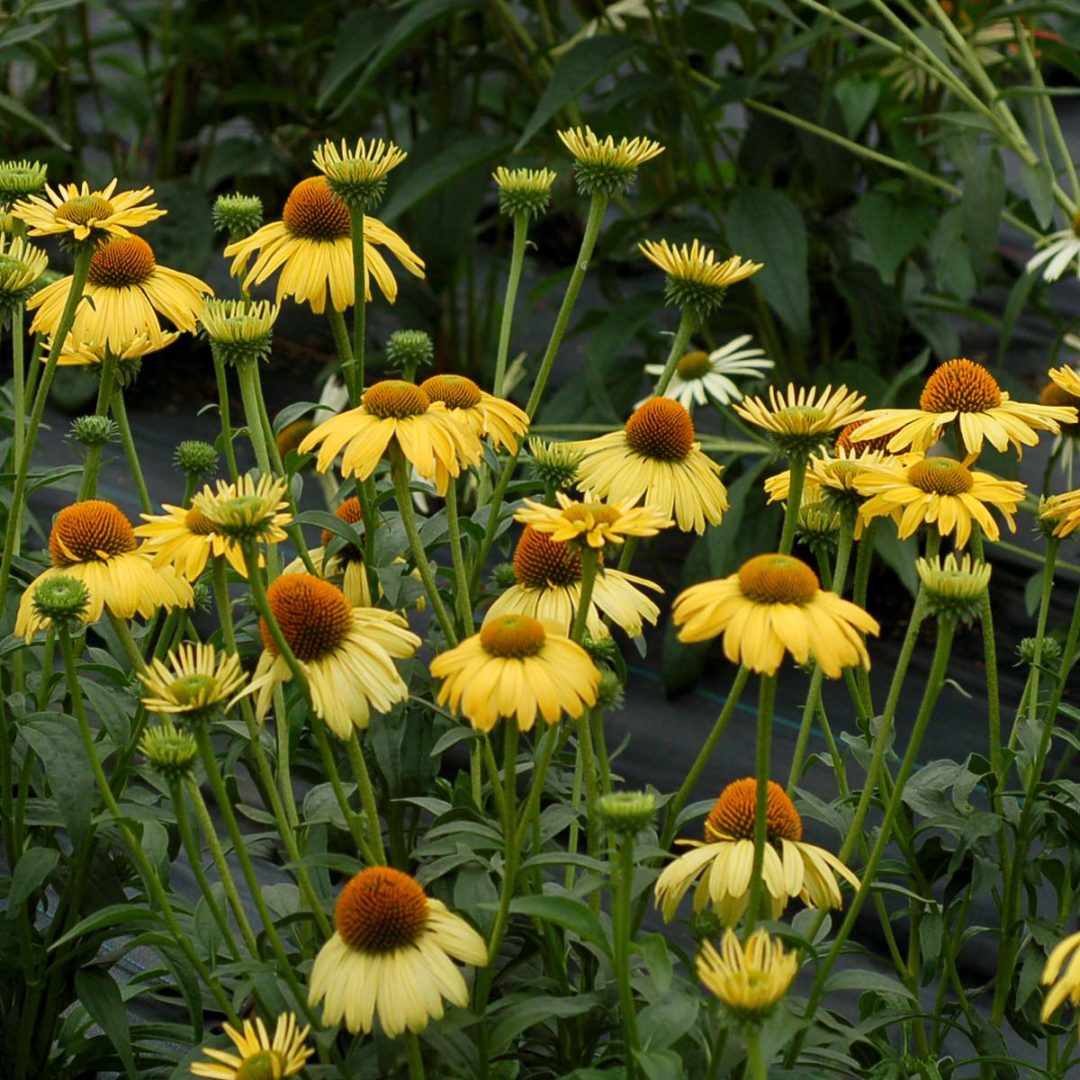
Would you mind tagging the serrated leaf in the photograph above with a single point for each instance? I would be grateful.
(766, 226)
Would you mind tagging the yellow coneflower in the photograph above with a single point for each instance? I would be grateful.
(748, 979)
(1064, 511)
(549, 589)
(348, 560)
(358, 175)
(258, 1057)
(592, 522)
(346, 653)
(515, 667)
(941, 492)
(489, 416)
(1068, 379)
(246, 510)
(435, 442)
(722, 864)
(1068, 984)
(803, 419)
(21, 264)
(126, 292)
(604, 166)
(964, 392)
(80, 212)
(657, 460)
(312, 247)
(90, 353)
(196, 682)
(391, 956)
(846, 443)
(695, 278)
(523, 191)
(94, 543)
(772, 606)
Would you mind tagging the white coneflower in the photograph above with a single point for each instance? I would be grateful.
(700, 376)
(1059, 249)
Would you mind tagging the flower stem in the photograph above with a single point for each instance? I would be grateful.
(621, 927)
(416, 1057)
(762, 761)
(517, 258)
(92, 467)
(590, 564)
(354, 374)
(755, 1060)
(399, 472)
(249, 393)
(138, 856)
(367, 795)
(597, 206)
(128, 442)
(13, 531)
(225, 413)
(934, 683)
(457, 554)
(794, 501)
(19, 386)
(687, 322)
(352, 819)
(342, 346)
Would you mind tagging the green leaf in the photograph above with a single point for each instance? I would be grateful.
(31, 871)
(665, 1022)
(570, 914)
(459, 158)
(893, 229)
(17, 111)
(100, 996)
(856, 98)
(728, 11)
(71, 783)
(766, 226)
(573, 75)
(653, 948)
(660, 1064)
(112, 707)
(523, 1011)
(416, 20)
(863, 979)
(1039, 185)
(115, 917)
(983, 202)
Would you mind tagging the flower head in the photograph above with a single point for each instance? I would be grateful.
(61, 601)
(130, 352)
(433, 440)
(195, 685)
(93, 542)
(258, 1057)
(626, 813)
(523, 191)
(1062, 513)
(555, 463)
(358, 176)
(490, 417)
(94, 430)
(347, 653)
(802, 420)
(695, 280)
(407, 350)
(18, 179)
(591, 522)
(721, 865)
(169, 750)
(516, 667)
(657, 459)
(748, 979)
(391, 956)
(604, 166)
(954, 587)
(127, 292)
(938, 491)
(21, 265)
(312, 247)
(701, 377)
(1067, 986)
(240, 331)
(964, 392)
(236, 214)
(1058, 250)
(775, 605)
(195, 458)
(78, 213)
(249, 510)
(547, 586)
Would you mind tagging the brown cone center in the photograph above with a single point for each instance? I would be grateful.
(540, 562)
(941, 476)
(733, 814)
(123, 261)
(960, 385)
(661, 429)
(454, 391)
(395, 399)
(314, 616)
(778, 579)
(88, 531)
(380, 910)
(313, 212)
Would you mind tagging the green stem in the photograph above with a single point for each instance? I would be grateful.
(1052, 545)
(193, 850)
(794, 501)
(359, 254)
(517, 258)
(18, 363)
(352, 819)
(249, 393)
(128, 442)
(355, 753)
(399, 472)
(592, 230)
(138, 856)
(755, 1060)
(934, 683)
(341, 345)
(762, 761)
(687, 322)
(590, 564)
(624, 887)
(457, 554)
(993, 694)
(92, 467)
(224, 412)
(416, 1057)
(592, 789)
(221, 864)
(13, 531)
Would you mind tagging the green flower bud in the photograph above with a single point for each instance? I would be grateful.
(62, 599)
(554, 464)
(195, 458)
(627, 812)
(1051, 652)
(169, 750)
(240, 331)
(503, 576)
(523, 191)
(407, 350)
(238, 215)
(94, 430)
(18, 179)
(955, 588)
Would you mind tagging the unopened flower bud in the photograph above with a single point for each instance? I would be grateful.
(93, 430)
(195, 458)
(524, 191)
(238, 215)
(407, 350)
(170, 750)
(62, 599)
(627, 812)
